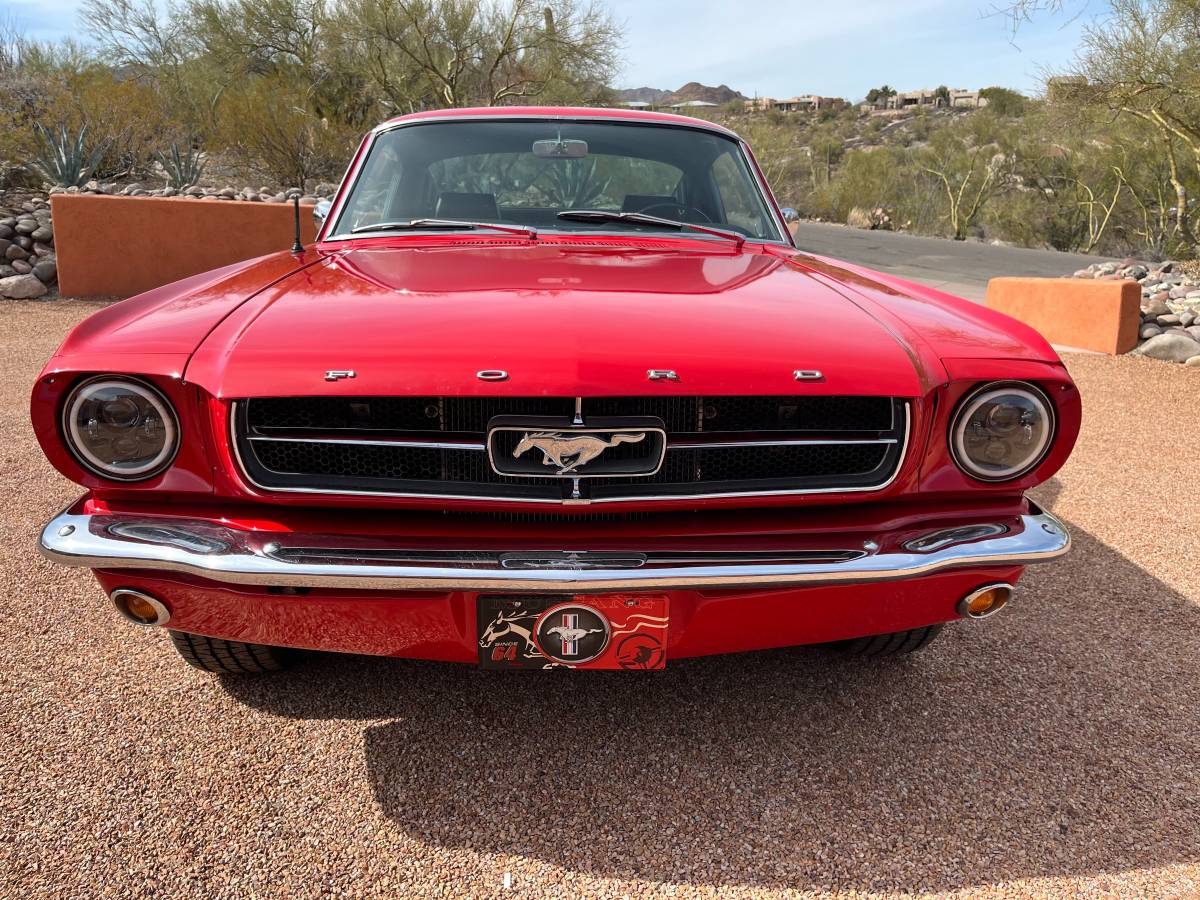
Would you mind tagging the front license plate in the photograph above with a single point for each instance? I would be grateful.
(582, 631)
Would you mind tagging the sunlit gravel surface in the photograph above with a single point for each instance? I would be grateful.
(1054, 751)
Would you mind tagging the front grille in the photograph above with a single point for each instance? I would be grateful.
(436, 446)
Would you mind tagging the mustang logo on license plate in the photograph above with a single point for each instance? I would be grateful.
(585, 632)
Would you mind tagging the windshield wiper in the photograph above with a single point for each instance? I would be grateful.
(637, 218)
(447, 224)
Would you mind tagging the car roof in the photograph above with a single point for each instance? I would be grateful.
(556, 112)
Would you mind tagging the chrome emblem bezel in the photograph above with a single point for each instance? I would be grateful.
(543, 431)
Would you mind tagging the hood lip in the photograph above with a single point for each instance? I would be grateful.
(346, 263)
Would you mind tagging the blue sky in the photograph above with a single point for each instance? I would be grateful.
(780, 48)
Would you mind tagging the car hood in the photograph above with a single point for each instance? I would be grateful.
(560, 319)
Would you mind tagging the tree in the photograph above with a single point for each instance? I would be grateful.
(287, 143)
(460, 53)
(160, 49)
(262, 36)
(880, 94)
(969, 167)
(1142, 61)
(942, 93)
(1003, 101)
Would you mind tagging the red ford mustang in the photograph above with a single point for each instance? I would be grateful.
(553, 388)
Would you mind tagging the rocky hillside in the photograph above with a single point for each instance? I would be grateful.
(693, 90)
(643, 95)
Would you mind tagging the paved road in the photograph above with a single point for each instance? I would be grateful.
(959, 267)
(1049, 752)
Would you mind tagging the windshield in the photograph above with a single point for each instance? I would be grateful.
(526, 173)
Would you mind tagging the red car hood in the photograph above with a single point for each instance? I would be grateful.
(560, 319)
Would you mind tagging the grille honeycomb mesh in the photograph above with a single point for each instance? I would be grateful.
(281, 462)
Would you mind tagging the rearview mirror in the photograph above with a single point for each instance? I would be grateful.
(321, 210)
(560, 149)
(790, 215)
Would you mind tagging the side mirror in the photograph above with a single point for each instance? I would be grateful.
(790, 216)
(321, 211)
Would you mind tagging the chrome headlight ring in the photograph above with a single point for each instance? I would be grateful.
(1002, 430)
(120, 427)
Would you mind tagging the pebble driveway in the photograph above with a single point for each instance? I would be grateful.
(1052, 751)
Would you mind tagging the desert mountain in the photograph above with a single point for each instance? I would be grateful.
(693, 90)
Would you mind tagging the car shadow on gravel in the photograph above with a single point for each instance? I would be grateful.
(1057, 739)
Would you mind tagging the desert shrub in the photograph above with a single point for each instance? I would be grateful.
(125, 115)
(781, 154)
(1004, 102)
(268, 131)
(866, 178)
(25, 92)
(858, 217)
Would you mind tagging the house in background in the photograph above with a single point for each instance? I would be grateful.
(910, 99)
(805, 103)
(959, 98)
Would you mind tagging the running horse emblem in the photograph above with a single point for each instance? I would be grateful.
(569, 635)
(506, 624)
(570, 451)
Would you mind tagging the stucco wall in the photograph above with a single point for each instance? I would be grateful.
(120, 246)
(1090, 315)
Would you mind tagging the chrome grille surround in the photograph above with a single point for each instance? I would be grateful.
(348, 459)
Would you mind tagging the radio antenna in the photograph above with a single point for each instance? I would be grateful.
(297, 246)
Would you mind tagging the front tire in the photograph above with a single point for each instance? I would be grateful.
(894, 644)
(230, 657)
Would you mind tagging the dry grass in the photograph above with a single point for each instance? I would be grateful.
(1050, 752)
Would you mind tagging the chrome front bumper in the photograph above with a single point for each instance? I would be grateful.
(237, 556)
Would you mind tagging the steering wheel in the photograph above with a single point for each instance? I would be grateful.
(680, 208)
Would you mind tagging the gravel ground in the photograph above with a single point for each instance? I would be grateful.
(1050, 752)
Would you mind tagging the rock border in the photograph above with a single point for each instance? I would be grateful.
(1170, 325)
(325, 190)
(28, 264)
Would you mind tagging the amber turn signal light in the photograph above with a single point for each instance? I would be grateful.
(985, 601)
(139, 607)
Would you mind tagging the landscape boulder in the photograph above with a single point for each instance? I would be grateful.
(27, 287)
(46, 271)
(1176, 348)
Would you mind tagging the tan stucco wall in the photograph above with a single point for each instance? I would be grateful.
(120, 246)
(1076, 312)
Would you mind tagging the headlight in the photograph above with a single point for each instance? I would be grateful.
(120, 428)
(1002, 430)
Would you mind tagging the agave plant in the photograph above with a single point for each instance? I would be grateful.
(182, 168)
(64, 160)
(573, 184)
